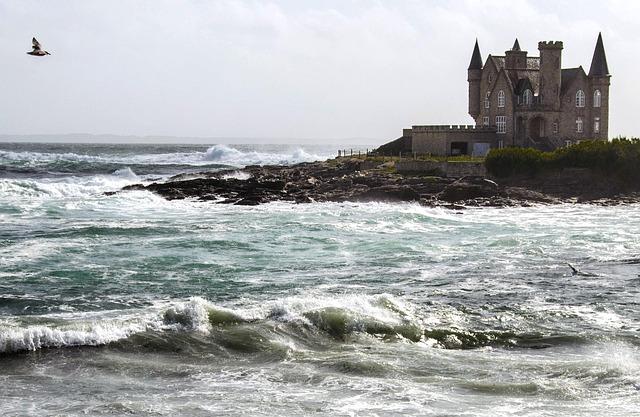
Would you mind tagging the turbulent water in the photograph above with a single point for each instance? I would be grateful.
(130, 304)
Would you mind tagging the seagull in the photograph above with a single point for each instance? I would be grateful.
(37, 49)
(576, 271)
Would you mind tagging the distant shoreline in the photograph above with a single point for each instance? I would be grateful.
(82, 138)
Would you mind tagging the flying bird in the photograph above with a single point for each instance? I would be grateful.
(37, 49)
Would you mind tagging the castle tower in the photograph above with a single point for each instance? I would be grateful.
(516, 58)
(474, 75)
(550, 73)
(600, 80)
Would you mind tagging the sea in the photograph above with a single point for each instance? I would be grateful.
(129, 304)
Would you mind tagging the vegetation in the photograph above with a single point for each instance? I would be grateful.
(619, 158)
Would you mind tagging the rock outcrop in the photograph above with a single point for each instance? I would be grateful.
(346, 179)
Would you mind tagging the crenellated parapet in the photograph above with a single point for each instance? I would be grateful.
(452, 128)
(550, 45)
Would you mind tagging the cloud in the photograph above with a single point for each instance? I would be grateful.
(278, 69)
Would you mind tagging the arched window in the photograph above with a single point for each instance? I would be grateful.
(526, 97)
(580, 98)
(501, 98)
(486, 100)
(597, 98)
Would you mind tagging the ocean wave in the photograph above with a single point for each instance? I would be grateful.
(66, 187)
(33, 338)
(307, 322)
(232, 156)
(310, 319)
(217, 156)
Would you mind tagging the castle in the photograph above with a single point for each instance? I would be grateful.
(524, 101)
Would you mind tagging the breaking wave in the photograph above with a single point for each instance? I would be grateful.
(232, 156)
(292, 323)
(215, 157)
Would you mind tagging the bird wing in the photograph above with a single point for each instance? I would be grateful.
(36, 44)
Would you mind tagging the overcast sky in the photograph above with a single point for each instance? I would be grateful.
(283, 69)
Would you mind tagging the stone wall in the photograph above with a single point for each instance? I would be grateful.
(446, 169)
(437, 139)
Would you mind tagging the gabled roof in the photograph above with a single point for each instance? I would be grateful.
(498, 61)
(476, 58)
(532, 73)
(568, 76)
(533, 62)
(599, 67)
(503, 72)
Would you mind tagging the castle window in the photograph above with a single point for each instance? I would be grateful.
(485, 121)
(526, 97)
(501, 124)
(501, 99)
(597, 98)
(555, 127)
(596, 125)
(580, 98)
(486, 100)
(579, 125)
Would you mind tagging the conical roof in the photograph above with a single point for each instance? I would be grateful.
(516, 46)
(599, 67)
(476, 59)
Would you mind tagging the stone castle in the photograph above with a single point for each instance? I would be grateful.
(524, 101)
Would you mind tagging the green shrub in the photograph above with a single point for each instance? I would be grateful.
(507, 162)
(619, 157)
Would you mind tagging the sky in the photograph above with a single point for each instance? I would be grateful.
(307, 70)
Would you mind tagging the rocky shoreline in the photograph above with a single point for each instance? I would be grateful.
(345, 179)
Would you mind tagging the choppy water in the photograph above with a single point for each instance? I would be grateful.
(130, 304)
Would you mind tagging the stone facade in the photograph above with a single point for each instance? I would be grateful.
(523, 101)
(534, 102)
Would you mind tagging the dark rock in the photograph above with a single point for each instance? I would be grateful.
(464, 190)
(347, 179)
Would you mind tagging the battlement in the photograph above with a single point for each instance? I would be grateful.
(550, 45)
(451, 128)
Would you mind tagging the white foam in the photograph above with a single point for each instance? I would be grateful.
(191, 315)
(231, 156)
(222, 154)
(14, 339)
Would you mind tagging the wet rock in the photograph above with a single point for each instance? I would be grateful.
(347, 179)
(465, 189)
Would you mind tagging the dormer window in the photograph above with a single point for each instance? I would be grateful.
(501, 99)
(527, 97)
(597, 98)
(580, 100)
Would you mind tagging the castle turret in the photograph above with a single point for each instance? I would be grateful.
(516, 58)
(474, 75)
(600, 80)
(550, 73)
